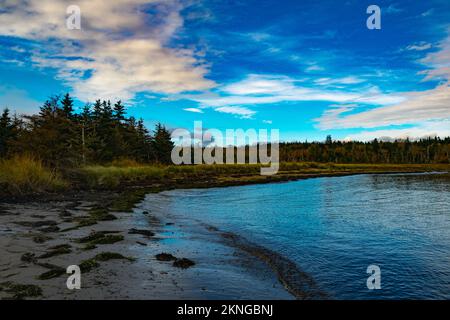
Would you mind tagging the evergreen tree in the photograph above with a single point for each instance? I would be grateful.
(52, 136)
(119, 111)
(67, 105)
(5, 131)
(162, 144)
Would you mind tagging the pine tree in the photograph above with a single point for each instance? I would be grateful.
(52, 136)
(5, 131)
(162, 144)
(119, 111)
(67, 106)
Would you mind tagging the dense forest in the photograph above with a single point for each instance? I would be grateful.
(102, 133)
(429, 150)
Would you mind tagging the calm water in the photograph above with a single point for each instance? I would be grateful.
(334, 228)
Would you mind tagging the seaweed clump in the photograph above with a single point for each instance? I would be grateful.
(21, 291)
(183, 263)
(101, 237)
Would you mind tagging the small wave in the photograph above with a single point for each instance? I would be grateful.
(299, 283)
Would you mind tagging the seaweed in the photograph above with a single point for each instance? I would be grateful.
(56, 251)
(52, 273)
(165, 257)
(88, 265)
(41, 238)
(183, 263)
(21, 291)
(146, 233)
(105, 256)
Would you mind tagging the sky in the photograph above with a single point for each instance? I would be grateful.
(306, 68)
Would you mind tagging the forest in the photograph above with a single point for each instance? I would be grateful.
(99, 134)
(102, 133)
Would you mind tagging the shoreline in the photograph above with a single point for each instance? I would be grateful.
(53, 220)
(211, 181)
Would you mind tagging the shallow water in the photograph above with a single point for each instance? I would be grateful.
(334, 228)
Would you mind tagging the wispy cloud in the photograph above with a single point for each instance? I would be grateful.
(393, 9)
(241, 112)
(120, 51)
(344, 80)
(424, 130)
(417, 108)
(267, 89)
(427, 13)
(195, 110)
(419, 46)
(438, 62)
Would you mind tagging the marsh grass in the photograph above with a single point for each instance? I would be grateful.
(113, 176)
(24, 174)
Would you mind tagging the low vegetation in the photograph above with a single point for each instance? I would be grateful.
(20, 291)
(25, 174)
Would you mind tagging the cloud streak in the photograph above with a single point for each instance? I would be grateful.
(420, 108)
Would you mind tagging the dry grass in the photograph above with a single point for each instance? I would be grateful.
(24, 174)
(113, 175)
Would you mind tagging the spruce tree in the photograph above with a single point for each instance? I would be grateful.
(5, 131)
(67, 106)
(162, 144)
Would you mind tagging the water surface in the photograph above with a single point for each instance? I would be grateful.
(334, 228)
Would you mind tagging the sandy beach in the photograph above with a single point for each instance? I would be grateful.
(40, 239)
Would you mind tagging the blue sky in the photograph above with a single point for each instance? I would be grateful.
(307, 68)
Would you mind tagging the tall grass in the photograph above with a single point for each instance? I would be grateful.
(24, 174)
(116, 173)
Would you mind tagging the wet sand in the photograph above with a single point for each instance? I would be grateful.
(29, 231)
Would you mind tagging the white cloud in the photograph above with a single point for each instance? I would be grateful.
(419, 46)
(195, 110)
(344, 80)
(242, 112)
(266, 89)
(424, 130)
(438, 61)
(418, 107)
(314, 67)
(120, 51)
(267, 121)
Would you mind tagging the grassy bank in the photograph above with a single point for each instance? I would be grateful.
(114, 176)
(25, 175)
(22, 175)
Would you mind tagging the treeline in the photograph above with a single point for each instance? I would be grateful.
(429, 150)
(100, 133)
